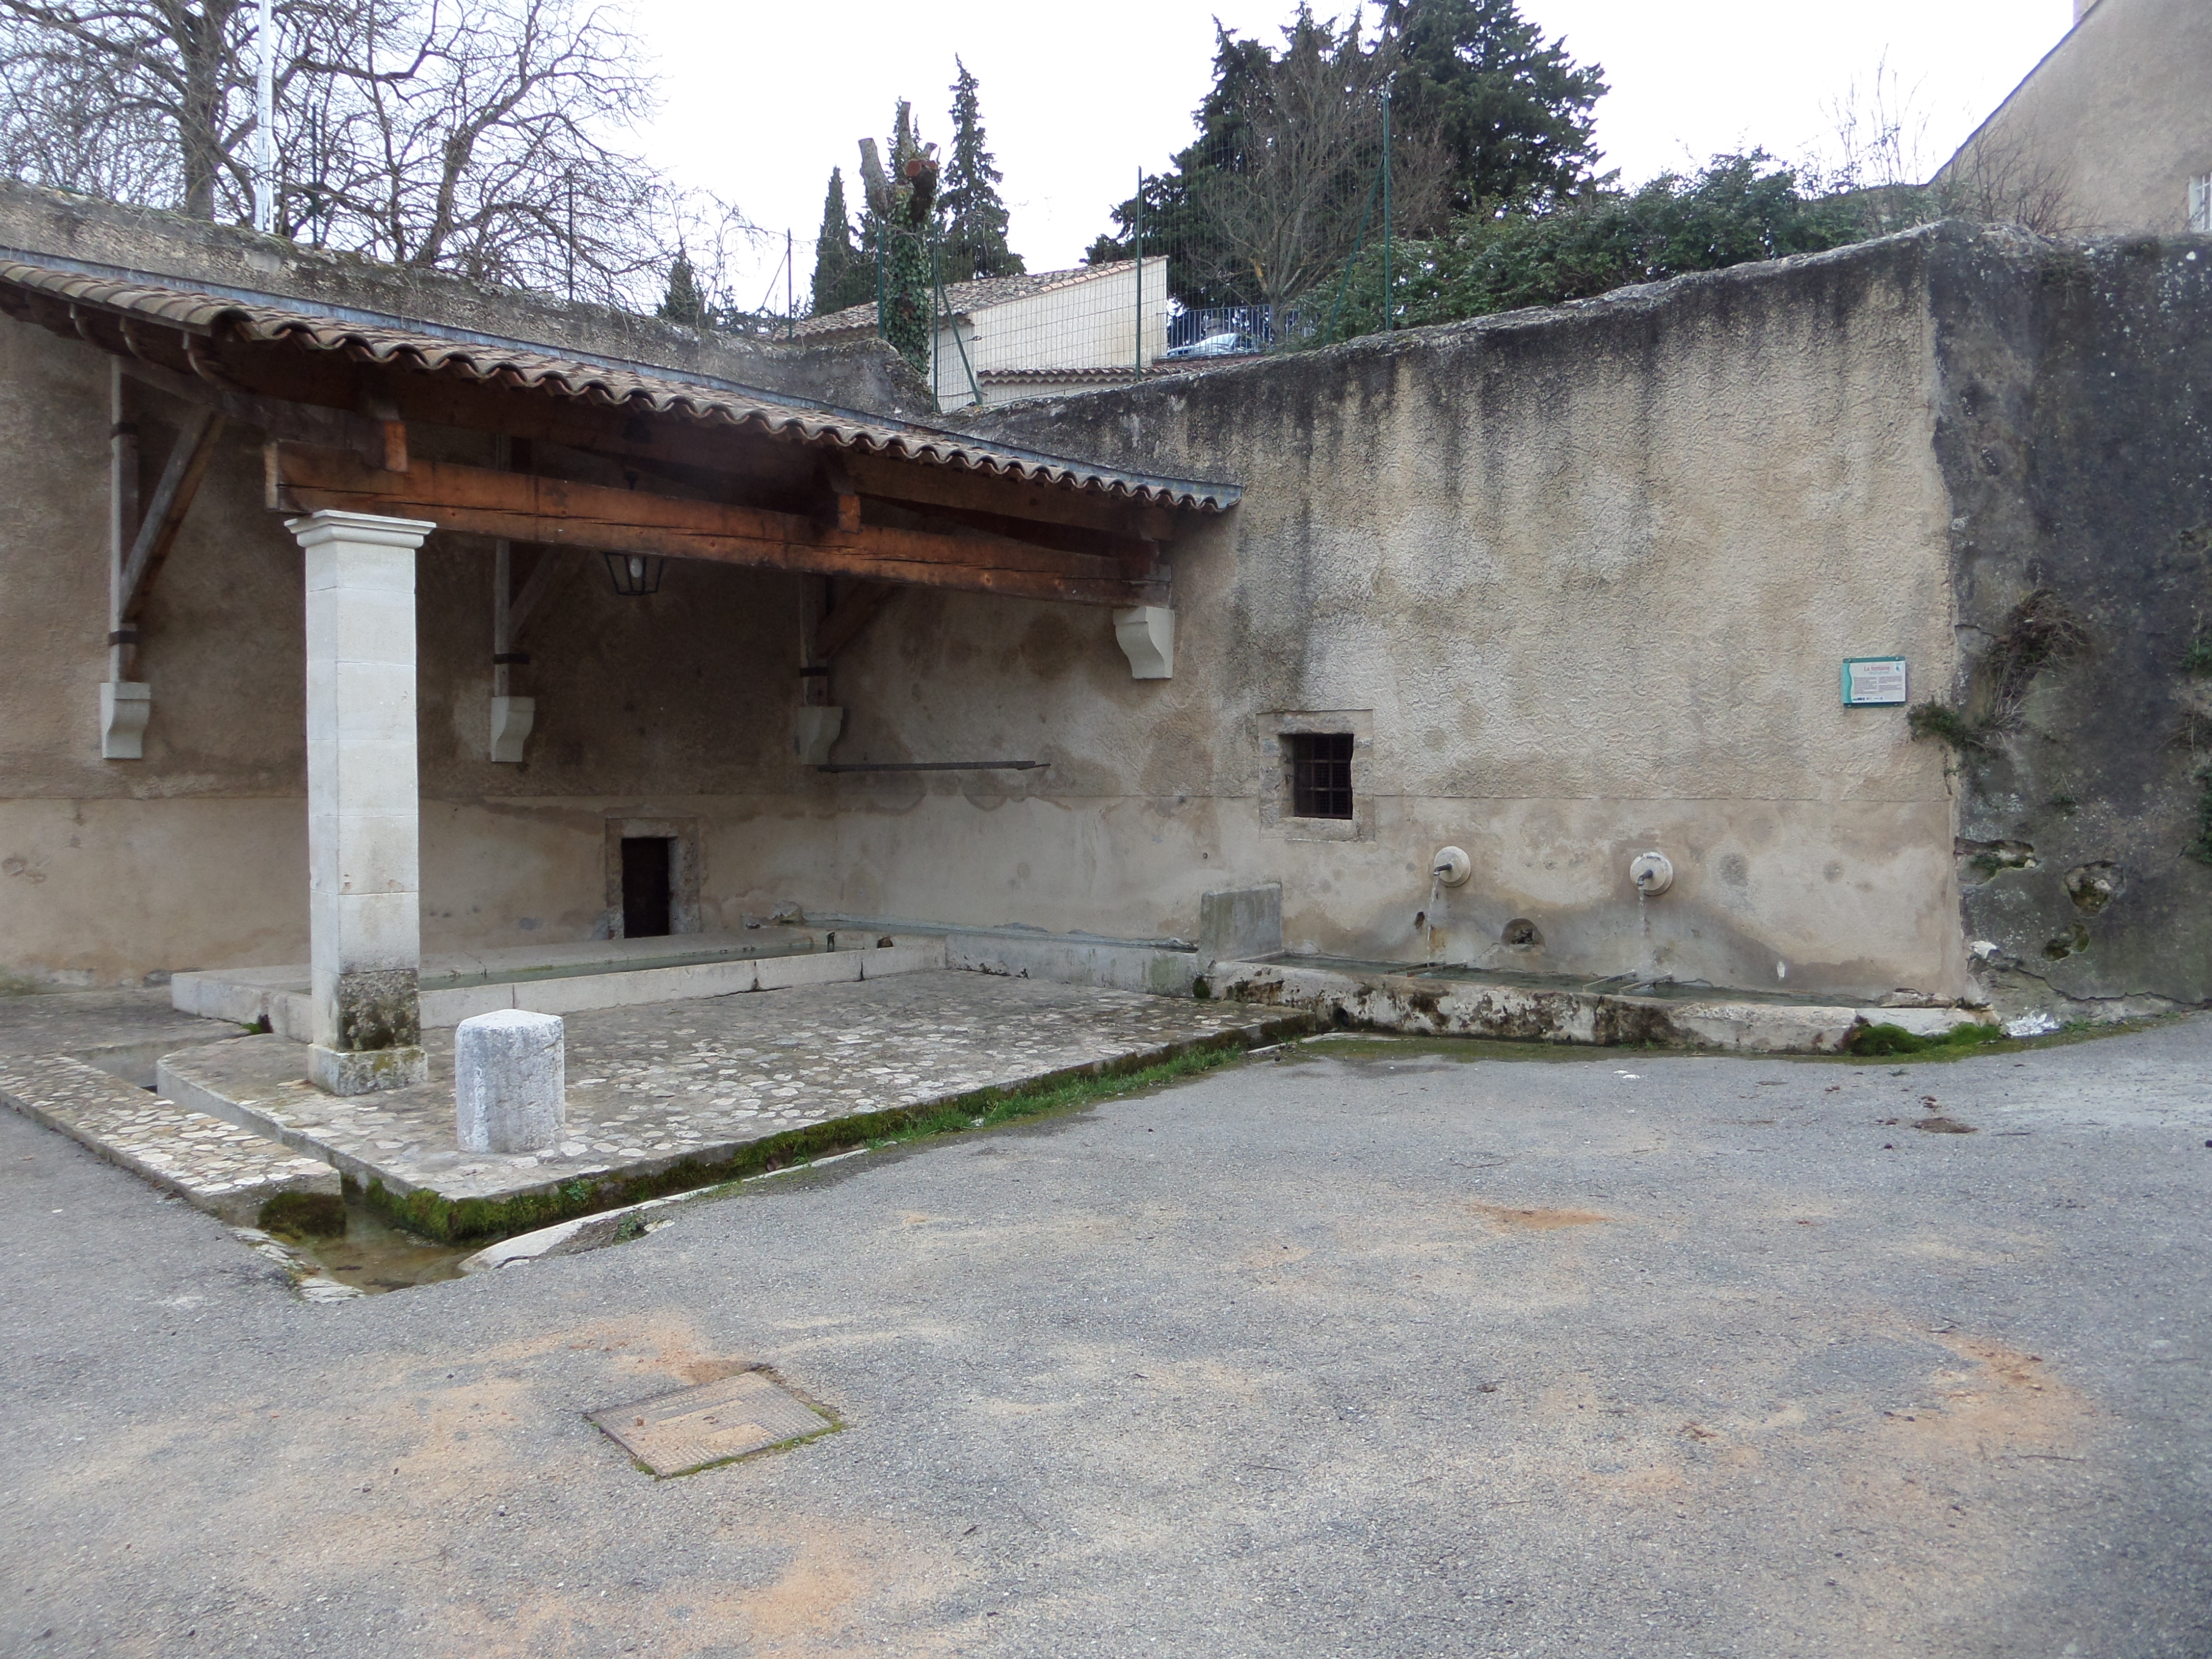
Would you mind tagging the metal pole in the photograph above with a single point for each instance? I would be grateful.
(1386, 209)
(264, 134)
(790, 305)
(1138, 237)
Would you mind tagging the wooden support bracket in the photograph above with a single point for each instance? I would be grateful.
(164, 511)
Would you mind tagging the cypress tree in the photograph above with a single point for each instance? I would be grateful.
(974, 218)
(842, 276)
(685, 303)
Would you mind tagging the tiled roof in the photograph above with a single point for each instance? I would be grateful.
(700, 399)
(963, 299)
(1103, 376)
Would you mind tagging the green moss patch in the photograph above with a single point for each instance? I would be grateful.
(305, 1215)
(1871, 1040)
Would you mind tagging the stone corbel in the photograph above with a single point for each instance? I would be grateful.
(511, 721)
(1146, 634)
(814, 728)
(125, 706)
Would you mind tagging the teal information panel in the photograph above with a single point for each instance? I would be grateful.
(1873, 681)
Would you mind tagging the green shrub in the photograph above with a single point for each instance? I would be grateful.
(1735, 209)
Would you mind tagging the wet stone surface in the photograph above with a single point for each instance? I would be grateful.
(651, 1086)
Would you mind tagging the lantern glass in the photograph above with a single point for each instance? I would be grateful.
(634, 574)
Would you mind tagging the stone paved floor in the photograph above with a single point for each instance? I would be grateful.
(216, 1166)
(651, 1086)
(66, 1021)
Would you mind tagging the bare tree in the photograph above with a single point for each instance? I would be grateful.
(1283, 202)
(475, 136)
(1880, 154)
(1994, 179)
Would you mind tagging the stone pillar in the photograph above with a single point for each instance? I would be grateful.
(364, 883)
(510, 1074)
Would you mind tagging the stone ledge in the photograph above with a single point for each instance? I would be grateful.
(215, 1166)
(1422, 1006)
(683, 1094)
(277, 997)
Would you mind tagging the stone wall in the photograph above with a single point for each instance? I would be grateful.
(2077, 439)
(1579, 583)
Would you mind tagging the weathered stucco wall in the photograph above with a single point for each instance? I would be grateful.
(1579, 582)
(2076, 436)
(2119, 116)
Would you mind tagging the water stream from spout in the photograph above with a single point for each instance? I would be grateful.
(1439, 934)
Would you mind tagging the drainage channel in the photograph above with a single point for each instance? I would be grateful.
(374, 1257)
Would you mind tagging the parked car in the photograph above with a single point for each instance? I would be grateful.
(1218, 345)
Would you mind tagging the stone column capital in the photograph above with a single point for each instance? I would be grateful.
(362, 528)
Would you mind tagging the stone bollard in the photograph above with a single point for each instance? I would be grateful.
(509, 1081)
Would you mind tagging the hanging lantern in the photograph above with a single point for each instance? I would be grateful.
(635, 574)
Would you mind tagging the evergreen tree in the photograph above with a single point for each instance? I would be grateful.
(1512, 110)
(685, 303)
(1486, 117)
(974, 219)
(842, 277)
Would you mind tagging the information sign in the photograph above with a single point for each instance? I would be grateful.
(1873, 681)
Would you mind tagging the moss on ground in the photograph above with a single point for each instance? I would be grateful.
(1883, 1039)
(304, 1215)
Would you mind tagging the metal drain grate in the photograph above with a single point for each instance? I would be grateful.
(677, 1433)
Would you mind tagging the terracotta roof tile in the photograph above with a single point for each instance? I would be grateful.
(275, 320)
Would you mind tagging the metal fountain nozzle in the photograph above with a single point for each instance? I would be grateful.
(1653, 873)
(1451, 866)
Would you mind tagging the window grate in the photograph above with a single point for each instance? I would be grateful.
(1321, 774)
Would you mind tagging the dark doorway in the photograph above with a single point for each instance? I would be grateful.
(645, 885)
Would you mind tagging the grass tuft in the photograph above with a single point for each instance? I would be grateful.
(1933, 720)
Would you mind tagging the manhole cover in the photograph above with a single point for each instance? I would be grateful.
(677, 1433)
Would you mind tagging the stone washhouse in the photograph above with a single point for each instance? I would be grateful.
(385, 649)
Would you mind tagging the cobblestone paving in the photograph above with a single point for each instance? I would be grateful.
(76, 1022)
(651, 1086)
(216, 1166)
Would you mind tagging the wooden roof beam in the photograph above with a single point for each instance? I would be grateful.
(560, 514)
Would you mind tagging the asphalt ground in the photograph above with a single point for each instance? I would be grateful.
(1362, 1350)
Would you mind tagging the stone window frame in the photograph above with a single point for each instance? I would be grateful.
(1274, 773)
(684, 869)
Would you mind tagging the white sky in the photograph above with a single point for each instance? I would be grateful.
(1076, 99)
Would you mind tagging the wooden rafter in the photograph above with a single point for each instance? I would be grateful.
(165, 509)
(558, 512)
